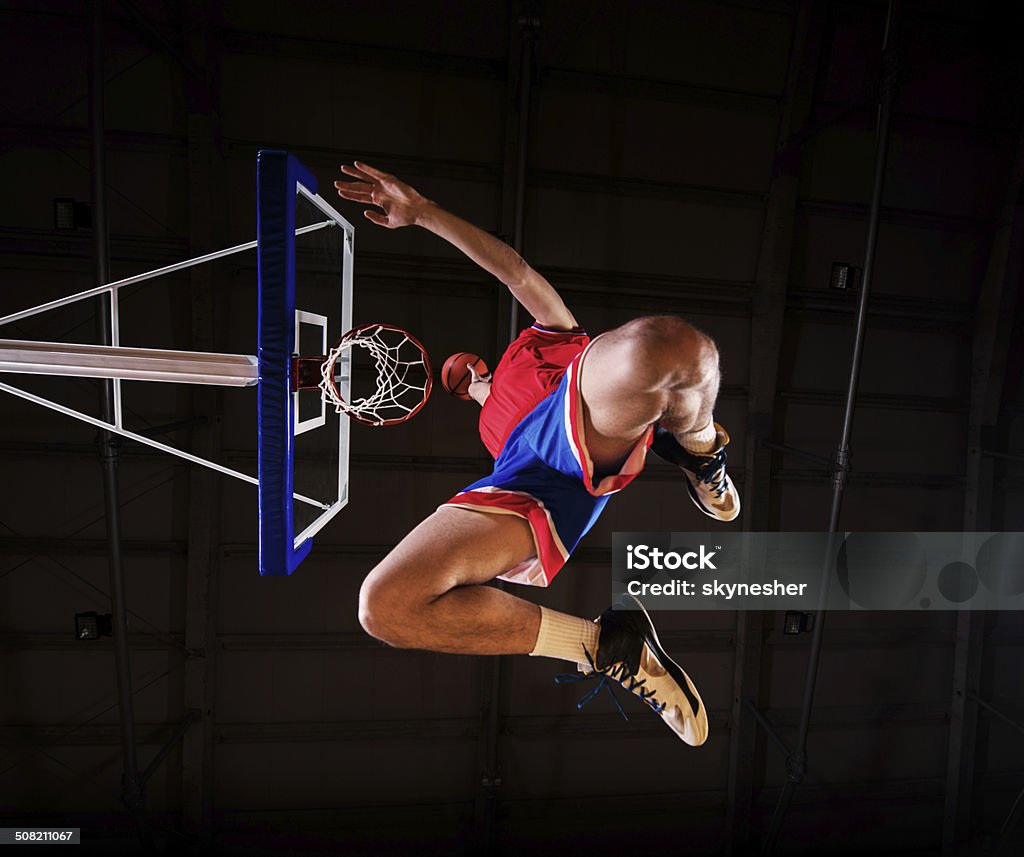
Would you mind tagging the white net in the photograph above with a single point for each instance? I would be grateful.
(402, 375)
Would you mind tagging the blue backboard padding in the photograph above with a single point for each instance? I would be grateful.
(277, 174)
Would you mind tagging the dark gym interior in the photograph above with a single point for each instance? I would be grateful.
(716, 160)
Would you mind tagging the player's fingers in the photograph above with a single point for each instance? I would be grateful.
(476, 376)
(355, 196)
(376, 217)
(353, 191)
(379, 175)
(357, 172)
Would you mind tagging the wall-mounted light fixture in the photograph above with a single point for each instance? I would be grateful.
(93, 625)
(70, 214)
(797, 621)
(844, 277)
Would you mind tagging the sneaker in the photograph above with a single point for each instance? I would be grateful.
(709, 485)
(629, 653)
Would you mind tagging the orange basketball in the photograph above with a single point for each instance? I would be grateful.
(456, 378)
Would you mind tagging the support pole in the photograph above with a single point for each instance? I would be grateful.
(528, 24)
(133, 364)
(514, 186)
(133, 787)
(796, 762)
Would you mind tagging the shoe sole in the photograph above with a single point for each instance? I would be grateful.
(678, 674)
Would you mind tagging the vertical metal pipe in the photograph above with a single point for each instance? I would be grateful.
(132, 785)
(492, 774)
(528, 25)
(796, 763)
(101, 244)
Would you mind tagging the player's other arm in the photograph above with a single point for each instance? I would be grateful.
(529, 287)
(403, 206)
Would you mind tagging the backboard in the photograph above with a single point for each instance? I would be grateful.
(305, 254)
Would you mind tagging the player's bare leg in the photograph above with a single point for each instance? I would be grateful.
(427, 592)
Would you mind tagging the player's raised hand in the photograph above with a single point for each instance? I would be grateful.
(400, 202)
(476, 377)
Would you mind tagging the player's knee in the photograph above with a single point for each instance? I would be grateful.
(675, 334)
(667, 345)
(383, 613)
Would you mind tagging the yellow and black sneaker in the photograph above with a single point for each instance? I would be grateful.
(709, 485)
(629, 653)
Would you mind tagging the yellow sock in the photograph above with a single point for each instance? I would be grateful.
(703, 440)
(564, 637)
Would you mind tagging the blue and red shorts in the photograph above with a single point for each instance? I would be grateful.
(532, 424)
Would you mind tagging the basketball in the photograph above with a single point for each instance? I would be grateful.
(456, 378)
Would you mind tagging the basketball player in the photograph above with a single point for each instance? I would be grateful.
(568, 421)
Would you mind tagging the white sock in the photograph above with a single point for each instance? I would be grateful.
(565, 637)
(700, 441)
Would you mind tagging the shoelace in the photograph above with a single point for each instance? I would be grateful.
(618, 673)
(712, 474)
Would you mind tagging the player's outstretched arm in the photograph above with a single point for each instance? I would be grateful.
(402, 205)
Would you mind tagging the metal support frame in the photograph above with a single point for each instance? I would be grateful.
(795, 452)
(172, 742)
(133, 785)
(112, 288)
(963, 728)
(149, 33)
(1000, 715)
(1013, 821)
(992, 336)
(796, 760)
(109, 427)
(1015, 816)
(140, 364)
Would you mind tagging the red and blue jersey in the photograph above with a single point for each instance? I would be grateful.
(532, 423)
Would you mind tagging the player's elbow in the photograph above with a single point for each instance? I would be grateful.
(521, 279)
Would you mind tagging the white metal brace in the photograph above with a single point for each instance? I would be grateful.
(136, 364)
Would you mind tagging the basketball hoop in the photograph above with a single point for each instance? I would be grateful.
(403, 381)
